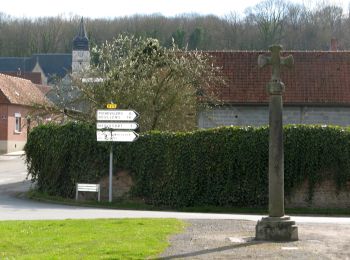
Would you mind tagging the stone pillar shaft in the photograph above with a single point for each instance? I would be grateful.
(276, 158)
(277, 226)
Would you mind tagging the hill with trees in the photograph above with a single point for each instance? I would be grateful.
(295, 26)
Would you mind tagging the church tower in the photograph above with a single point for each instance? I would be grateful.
(80, 53)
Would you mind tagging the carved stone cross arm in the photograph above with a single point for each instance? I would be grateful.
(275, 86)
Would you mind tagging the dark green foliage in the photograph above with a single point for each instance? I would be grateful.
(179, 38)
(196, 39)
(60, 156)
(224, 166)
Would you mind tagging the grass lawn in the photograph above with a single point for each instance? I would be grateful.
(86, 239)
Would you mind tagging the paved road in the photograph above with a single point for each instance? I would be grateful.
(12, 169)
(12, 181)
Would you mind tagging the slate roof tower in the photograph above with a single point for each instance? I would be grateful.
(81, 41)
(80, 52)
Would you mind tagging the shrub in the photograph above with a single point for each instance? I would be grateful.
(225, 166)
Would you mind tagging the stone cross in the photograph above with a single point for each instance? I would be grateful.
(276, 61)
(277, 226)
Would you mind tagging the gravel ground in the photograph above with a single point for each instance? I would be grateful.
(234, 239)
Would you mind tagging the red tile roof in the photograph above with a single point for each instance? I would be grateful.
(34, 77)
(318, 77)
(21, 91)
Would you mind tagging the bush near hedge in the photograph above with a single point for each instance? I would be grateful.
(223, 166)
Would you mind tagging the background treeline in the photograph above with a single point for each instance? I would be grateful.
(296, 26)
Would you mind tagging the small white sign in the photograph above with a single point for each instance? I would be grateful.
(117, 125)
(116, 136)
(116, 115)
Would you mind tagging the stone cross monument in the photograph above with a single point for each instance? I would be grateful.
(277, 226)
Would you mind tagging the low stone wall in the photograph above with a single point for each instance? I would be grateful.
(325, 196)
(122, 183)
(15, 146)
(3, 147)
(11, 146)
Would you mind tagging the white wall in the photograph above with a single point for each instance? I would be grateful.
(259, 115)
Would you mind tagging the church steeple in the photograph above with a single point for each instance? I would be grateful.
(81, 41)
(80, 53)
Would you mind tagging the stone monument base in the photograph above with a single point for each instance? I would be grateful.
(276, 229)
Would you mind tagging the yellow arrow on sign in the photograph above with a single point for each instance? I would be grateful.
(112, 106)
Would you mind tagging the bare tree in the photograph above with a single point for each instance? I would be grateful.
(296, 26)
(269, 17)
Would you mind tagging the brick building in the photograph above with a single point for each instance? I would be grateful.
(17, 97)
(317, 89)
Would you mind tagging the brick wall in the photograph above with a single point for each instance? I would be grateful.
(3, 121)
(12, 135)
(3, 128)
(3, 99)
(259, 115)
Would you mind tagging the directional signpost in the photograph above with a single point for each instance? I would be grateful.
(115, 125)
(116, 136)
(116, 115)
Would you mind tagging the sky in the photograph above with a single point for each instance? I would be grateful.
(117, 8)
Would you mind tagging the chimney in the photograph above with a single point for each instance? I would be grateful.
(334, 45)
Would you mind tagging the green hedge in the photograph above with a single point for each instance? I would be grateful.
(224, 166)
(59, 156)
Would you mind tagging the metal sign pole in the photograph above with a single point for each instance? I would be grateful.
(110, 173)
(115, 126)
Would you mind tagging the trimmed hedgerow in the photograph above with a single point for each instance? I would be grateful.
(59, 156)
(224, 166)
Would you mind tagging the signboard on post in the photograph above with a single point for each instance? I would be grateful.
(116, 115)
(115, 126)
(116, 136)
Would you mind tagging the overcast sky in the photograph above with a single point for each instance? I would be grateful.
(116, 8)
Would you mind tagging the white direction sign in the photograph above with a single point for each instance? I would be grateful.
(116, 136)
(117, 125)
(116, 115)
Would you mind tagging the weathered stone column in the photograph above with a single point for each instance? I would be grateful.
(276, 226)
(276, 158)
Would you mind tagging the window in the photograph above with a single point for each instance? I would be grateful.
(18, 127)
